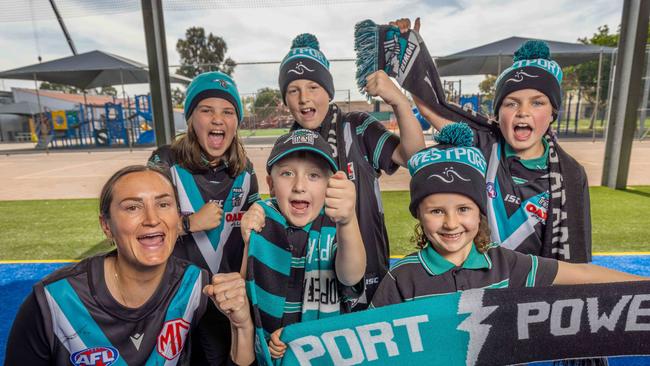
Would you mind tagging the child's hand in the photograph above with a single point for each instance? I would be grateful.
(340, 198)
(253, 219)
(208, 217)
(276, 346)
(378, 84)
(228, 292)
(404, 24)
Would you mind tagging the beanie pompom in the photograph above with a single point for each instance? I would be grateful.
(305, 40)
(531, 50)
(456, 134)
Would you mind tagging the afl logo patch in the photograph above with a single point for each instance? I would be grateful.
(491, 191)
(96, 356)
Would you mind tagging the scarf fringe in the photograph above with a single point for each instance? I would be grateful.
(366, 45)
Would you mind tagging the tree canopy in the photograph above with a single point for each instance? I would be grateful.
(200, 53)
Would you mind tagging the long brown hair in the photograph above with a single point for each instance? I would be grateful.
(481, 240)
(188, 152)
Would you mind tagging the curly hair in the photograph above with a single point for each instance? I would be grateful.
(481, 240)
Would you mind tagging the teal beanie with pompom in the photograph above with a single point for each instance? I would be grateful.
(305, 60)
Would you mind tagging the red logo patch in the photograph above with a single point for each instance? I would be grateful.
(172, 338)
(537, 211)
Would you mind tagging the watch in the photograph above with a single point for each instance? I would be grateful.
(186, 224)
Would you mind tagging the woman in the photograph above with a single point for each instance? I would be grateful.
(216, 184)
(135, 305)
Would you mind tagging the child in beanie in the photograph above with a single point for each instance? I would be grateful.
(538, 196)
(361, 145)
(452, 235)
(214, 180)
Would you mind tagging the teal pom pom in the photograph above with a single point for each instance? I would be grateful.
(531, 50)
(457, 134)
(305, 40)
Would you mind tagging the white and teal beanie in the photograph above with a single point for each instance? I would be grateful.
(305, 61)
(452, 166)
(213, 84)
(533, 68)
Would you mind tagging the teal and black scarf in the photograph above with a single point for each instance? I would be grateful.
(270, 264)
(405, 57)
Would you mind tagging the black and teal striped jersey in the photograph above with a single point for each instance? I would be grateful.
(364, 149)
(219, 250)
(71, 318)
(426, 273)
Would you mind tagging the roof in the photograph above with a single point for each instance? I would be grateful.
(72, 98)
(496, 56)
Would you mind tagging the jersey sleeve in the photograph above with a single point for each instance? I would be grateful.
(378, 143)
(527, 270)
(27, 343)
(161, 157)
(387, 293)
(253, 192)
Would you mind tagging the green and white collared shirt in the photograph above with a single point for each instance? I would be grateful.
(426, 273)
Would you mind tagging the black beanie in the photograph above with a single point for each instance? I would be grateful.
(532, 69)
(453, 166)
(305, 61)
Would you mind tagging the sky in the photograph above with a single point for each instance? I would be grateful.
(260, 30)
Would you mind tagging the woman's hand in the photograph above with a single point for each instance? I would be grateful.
(228, 291)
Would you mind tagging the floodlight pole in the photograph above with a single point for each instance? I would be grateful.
(626, 93)
(161, 100)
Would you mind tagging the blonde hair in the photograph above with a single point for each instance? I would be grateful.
(190, 154)
(481, 240)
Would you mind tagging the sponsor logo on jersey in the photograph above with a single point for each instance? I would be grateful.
(172, 338)
(538, 212)
(351, 174)
(95, 356)
(491, 192)
(237, 195)
(234, 217)
(511, 198)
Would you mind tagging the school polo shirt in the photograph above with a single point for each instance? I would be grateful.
(426, 273)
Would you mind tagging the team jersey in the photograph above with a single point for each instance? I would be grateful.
(426, 273)
(219, 250)
(364, 149)
(71, 318)
(518, 194)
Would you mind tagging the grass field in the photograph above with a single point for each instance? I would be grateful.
(268, 132)
(67, 229)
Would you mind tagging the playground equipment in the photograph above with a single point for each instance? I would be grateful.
(110, 124)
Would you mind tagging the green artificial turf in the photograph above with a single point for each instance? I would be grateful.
(69, 229)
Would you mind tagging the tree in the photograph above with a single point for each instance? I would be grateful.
(487, 86)
(585, 75)
(108, 90)
(58, 87)
(200, 53)
(178, 97)
(267, 101)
